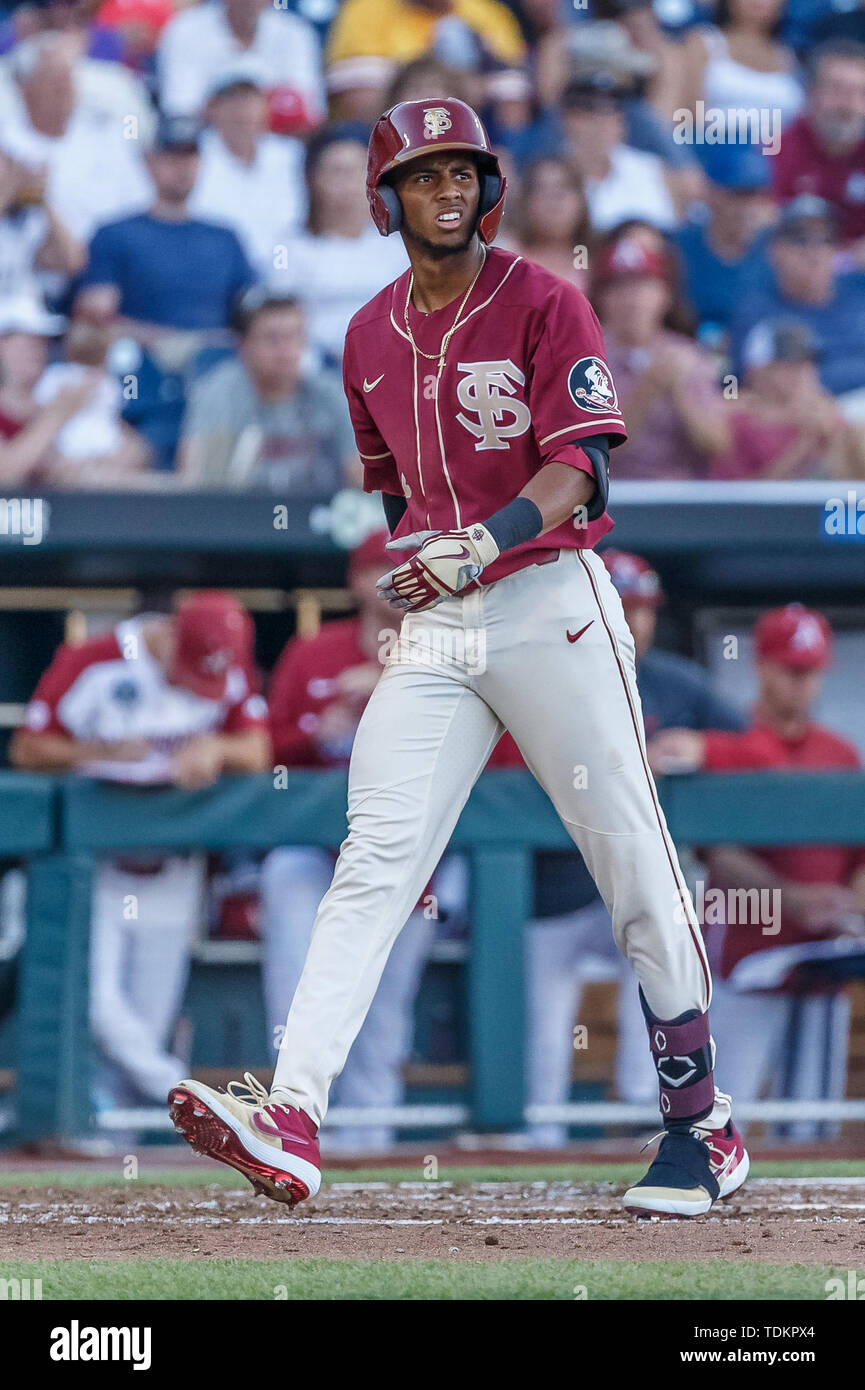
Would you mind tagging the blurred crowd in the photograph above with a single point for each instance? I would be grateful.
(184, 232)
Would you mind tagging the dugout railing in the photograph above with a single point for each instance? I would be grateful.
(61, 825)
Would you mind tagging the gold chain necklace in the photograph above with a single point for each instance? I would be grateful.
(440, 355)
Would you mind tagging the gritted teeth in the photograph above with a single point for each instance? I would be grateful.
(449, 216)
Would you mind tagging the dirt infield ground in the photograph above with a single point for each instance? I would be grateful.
(799, 1221)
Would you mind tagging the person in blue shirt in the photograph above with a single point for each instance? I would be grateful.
(805, 286)
(164, 270)
(570, 938)
(721, 250)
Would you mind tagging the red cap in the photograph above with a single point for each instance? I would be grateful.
(629, 257)
(633, 577)
(371, 554)
(414, 128)
(794, 636)
(214, 633)
(155, 13)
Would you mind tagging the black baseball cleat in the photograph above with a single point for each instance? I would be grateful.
(691, 1171)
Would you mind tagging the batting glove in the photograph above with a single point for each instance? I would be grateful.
(445, 562)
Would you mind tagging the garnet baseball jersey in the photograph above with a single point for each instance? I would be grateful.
(111, 688)
(304, 683)
(761, 747)
(525, 378)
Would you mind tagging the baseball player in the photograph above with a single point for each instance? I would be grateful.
(782, 1012)
(158, 699)
(484, 412)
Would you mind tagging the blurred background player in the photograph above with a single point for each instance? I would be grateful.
(570, 940)
(160, 699)
(319, 690)
(782, 1016)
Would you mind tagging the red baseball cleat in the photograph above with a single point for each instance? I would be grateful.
(690, 1173)
(274, 1146)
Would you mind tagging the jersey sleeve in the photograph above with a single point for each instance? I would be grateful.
(42, 715)
(293, 746)
(737, 752)
(379, 466)
(572, 394)
(245, 714)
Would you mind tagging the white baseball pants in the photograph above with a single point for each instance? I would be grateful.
(496, 658)
(142, 926)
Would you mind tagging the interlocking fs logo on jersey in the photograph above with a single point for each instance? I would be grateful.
(591, 385)
(435, 122)
(487, 391)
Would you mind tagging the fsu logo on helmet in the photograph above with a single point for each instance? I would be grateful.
(591, 385)
(435, 122)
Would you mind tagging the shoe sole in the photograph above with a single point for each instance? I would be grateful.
(207, 1133)
(668, 1209)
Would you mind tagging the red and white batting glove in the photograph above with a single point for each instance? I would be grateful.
(445, 562)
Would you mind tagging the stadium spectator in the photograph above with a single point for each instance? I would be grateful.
(28, 430)
(666, 383)
(778, 1016)
(339, 261)
(33, 239)
(80, 125)
(249, 180)
(720, 248)
(369, 39)
(261, 420)
(317, 695)
(160, 699)
(94, 447)
(808, 288)
(552, 226)
(739, 64)
(138, 25)
(785, 424)
(570, 938)
(620, 182)
(77, 17)
(823, 153)
(203, 40)
(164, 270)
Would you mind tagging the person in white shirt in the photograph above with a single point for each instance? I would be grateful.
(92, 171)
(248, 179)
(204, 39)
(620, 183)
(339, 261)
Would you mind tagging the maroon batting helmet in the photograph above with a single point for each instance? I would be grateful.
(411, 129)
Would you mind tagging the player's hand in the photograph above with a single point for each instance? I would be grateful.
(445, 562)
(198, 763)
(675, 750)
(819, 906)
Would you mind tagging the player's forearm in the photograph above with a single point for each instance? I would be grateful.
(557, 490)
(734, 867)
(247, 752)
(52, 752)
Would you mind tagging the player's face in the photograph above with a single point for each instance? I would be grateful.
(788, 693)
(641, 619)
(440, 196)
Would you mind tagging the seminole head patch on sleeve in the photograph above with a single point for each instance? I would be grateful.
(590, 384)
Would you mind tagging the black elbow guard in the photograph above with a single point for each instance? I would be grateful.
(597, 450)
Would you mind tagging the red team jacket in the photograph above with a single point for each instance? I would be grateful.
(304, 684)
(762, 748)
(525, 378)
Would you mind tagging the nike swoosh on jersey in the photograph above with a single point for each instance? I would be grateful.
(575, 636)
(371, 385)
